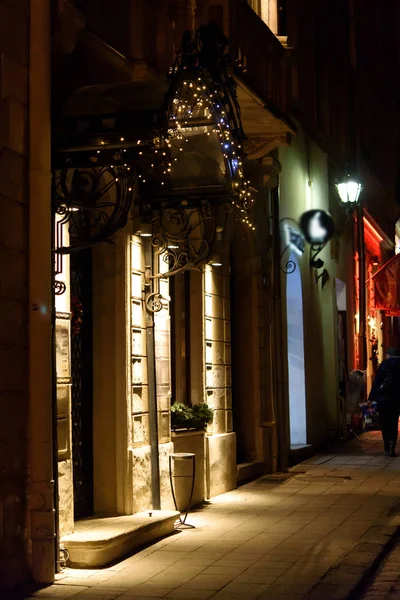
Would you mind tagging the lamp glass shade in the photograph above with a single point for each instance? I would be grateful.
(349, 191)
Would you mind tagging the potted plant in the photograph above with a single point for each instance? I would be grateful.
(180, 416)
(190, 417)
(202, 415)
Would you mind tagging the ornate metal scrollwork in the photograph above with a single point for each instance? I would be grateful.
(202, 86)
(290, 265)
(59, 288)
(93, 204)
(154, 302)
(201, 94)
(316, 249)
(92, 197)
(182, 237)
(294, 240)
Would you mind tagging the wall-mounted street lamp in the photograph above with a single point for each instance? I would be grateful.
(318, 228)
(349, 191)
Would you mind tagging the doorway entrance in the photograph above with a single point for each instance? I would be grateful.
(82, 382)
(295, 344)
(342, 336)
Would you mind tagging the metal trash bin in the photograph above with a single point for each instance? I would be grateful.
(183, 459)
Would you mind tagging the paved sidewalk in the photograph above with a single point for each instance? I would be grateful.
(386, 583)
(312, 535)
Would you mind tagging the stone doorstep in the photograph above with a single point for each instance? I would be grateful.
(245, 472)
(100, 541)
(300, 453)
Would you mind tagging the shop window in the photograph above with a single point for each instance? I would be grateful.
(268, 11)
(397, 238)
(180, 338)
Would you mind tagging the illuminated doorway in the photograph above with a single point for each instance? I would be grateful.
(295, 343)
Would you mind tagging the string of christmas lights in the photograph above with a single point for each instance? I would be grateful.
(195, 99)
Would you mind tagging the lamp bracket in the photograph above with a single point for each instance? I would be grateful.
(183, 238)
(295, 241)
(324, 276)
(315, 249)
(290, 265)
(147, 276)
(154, 302)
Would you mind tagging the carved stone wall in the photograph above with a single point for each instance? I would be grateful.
(217, 330)
(13, 288)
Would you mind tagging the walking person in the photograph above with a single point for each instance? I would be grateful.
(385, 392)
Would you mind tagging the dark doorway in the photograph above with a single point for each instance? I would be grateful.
(82, 382)
(342, 353)
(237, 400)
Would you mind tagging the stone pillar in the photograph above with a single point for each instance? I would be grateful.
(269, 319)
(41, 484)
(278, 362)
(220, 451)
(111, 365)
(138, 379)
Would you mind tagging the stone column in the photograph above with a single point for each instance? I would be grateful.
(41, 484)
(271, 366)
(111, 365)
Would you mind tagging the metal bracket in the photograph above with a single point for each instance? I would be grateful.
(154, 301)
(147, 276)
(315, 262)
(318, 263)
(294, 236)
(324, 276)
(290, 266)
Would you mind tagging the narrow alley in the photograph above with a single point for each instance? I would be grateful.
(312, 533)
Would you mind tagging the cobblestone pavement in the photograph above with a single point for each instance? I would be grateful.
(311, 536)
(386, 583)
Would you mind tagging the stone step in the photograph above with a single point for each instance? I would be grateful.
(300, 452)
(245, 472)
(97, 542)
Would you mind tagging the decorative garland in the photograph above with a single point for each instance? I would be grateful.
(94, 186)
(200, 86)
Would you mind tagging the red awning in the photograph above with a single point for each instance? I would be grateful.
(387, 286)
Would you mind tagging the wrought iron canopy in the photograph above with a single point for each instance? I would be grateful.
(177, 144)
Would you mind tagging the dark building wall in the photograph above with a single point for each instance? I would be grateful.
(14, 42)
(318, 31)
(346, 55)
(139, 30)
(378, 93)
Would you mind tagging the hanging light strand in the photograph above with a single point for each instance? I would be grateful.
(194, 99)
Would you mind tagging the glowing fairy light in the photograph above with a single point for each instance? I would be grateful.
(194, 99)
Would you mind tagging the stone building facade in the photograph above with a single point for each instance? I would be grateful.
(243, 335)
(14, 268)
